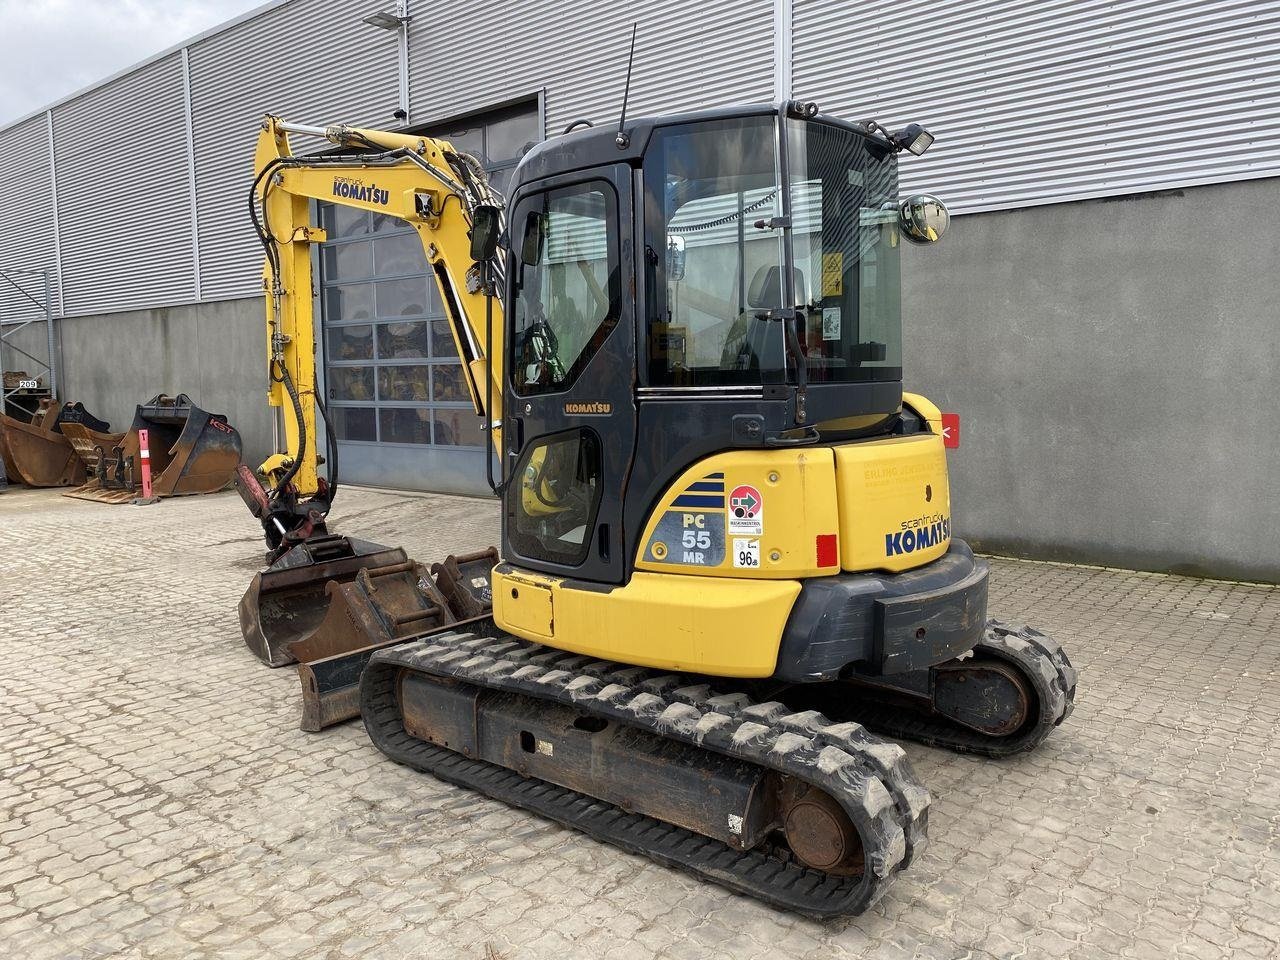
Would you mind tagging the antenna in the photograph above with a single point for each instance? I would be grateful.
(623, 139)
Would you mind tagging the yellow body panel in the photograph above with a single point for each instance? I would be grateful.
(926, 408)
(721, 626)
(895, 502)
(695, 530)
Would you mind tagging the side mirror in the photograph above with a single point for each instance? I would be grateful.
(486, 225)
(923, 218)
(675, 257)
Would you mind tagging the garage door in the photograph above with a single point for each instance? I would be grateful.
(394, 382)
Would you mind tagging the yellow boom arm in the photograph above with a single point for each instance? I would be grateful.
(422, 181)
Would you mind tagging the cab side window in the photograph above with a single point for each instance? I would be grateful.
(567, 283)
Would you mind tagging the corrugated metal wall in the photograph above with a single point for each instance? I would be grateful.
(1032, 102)
(124, 217)
(26, 216)
(312, 61)
(1058, 99)
(688, 55)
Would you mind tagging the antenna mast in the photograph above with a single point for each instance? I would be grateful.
(623, 139)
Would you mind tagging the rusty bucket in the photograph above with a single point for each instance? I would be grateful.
(110, 461)
(287, 602)
(192, 450)
(37, 453)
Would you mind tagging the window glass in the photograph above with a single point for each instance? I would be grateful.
(398, 341)
(403, 383)
(352, 301)
(339, 221)
(844, 191)
(351, 383)
(348, 261)
(713, 259)
(567, 283)
(353, 423)
(399, 254)
(351, 343)
(403, 298)
(458, 428)
(448, 382)
(442, 344)
(467, 139)
(405, 424)
(510, 138)
(557, 498)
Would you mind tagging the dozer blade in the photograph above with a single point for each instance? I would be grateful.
(192, 450)
(287, 602)
(38, 457)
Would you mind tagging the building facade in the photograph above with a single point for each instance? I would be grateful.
(1102, 314)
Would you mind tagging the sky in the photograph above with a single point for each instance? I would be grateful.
(50, 48)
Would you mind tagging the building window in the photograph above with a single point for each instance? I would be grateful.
(393, 373)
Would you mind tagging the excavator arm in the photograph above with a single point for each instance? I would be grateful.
(426, 183)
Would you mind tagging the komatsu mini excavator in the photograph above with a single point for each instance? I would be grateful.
(726, 530)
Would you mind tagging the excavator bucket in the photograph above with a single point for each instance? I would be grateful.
(381, 607)
(38, 453)
(111, 465)
(288, 601)
(192, 450)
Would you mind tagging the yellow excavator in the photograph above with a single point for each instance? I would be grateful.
(726, 530)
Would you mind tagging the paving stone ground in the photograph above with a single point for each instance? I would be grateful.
(157, 799)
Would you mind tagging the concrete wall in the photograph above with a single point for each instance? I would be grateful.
(213, 352)
(1115, 364)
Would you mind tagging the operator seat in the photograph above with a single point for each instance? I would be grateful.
(747, 337)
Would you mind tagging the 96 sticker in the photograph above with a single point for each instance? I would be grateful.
(746, 552)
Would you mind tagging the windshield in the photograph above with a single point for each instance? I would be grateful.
(714, 254)
(712, 258)
(845, 243)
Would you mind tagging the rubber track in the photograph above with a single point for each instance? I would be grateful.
(869, 777)
(1039, 658)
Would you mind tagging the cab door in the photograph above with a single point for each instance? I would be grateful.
(569, 412)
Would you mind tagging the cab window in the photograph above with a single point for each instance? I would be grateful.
(567, 285)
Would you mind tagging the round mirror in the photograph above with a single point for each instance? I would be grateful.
(923, 218)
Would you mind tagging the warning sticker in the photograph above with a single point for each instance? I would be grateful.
(830, 323)
(833, 274)
(746, 510)
(746, 552)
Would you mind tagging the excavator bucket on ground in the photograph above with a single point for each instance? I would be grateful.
(287, 602)
(38, 453)
(380, 608)
(192, 450)
(109, 465)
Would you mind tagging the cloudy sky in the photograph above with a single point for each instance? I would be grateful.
(49, 48)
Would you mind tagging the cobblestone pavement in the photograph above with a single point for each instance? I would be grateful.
(158, 800)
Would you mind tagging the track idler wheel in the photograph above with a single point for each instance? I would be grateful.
(821, 835)
(984, 694)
